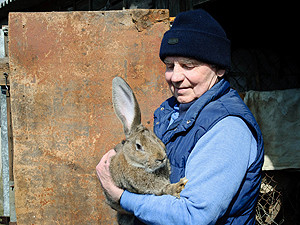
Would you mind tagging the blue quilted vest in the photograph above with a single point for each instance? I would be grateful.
(195, 120)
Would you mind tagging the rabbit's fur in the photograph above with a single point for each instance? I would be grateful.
(140, 165)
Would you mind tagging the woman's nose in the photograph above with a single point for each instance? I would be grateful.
(178, 74)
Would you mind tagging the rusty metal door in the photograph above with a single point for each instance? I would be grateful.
(62, 65)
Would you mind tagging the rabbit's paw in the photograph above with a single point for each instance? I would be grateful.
(179, 186)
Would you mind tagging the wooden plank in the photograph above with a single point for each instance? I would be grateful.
(10, 137)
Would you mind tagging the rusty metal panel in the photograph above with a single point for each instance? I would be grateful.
(62, 65)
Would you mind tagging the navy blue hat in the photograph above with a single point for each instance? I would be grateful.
(196, 34)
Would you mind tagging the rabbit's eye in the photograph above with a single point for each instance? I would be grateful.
(138, 147)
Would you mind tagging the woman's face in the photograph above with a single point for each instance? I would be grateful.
(188, 78)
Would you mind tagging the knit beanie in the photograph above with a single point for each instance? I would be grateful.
(196, 34)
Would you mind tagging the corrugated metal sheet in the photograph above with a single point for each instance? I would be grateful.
(3, 3)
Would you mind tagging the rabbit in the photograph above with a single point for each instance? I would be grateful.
(141, 164)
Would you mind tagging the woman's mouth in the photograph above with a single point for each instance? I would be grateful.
(180, 90)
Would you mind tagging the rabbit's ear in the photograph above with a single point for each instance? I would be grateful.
(125, 105)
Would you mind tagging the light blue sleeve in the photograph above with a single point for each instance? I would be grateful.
(215, 170)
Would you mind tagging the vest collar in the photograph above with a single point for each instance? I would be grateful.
(188, 112)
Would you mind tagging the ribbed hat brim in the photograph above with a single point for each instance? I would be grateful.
(202, 46)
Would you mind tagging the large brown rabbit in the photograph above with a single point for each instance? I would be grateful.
(140, 165)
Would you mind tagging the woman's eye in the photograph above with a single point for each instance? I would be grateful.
(169, 66)
(188, 66)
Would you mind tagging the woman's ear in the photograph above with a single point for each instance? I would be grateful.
(220, 72)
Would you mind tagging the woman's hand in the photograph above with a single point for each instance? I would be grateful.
(105, 177)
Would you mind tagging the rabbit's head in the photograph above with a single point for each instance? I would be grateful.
(141, 148)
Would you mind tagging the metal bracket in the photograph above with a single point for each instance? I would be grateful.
(6, 84)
